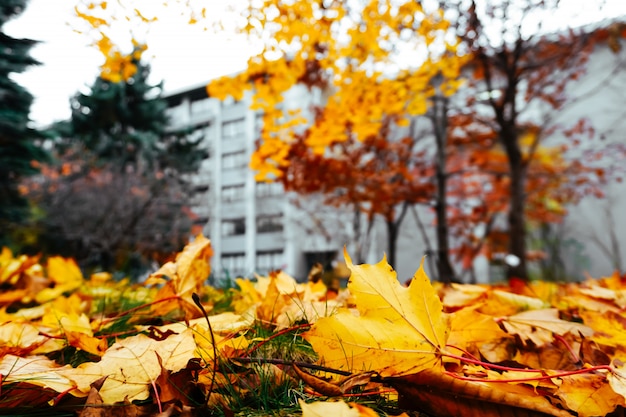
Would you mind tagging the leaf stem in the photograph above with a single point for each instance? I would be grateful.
(196, 300)
(536, 378)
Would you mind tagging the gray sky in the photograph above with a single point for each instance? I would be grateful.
(181, 55)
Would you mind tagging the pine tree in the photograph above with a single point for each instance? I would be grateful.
(121, 122)
(18, 148)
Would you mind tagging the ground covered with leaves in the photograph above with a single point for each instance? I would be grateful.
(271, 346)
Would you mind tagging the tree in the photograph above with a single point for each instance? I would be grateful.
(19, 151)
(122, 119)
(518, 67)
(105, 218)
(378, 176)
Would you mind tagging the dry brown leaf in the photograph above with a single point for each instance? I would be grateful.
(442, 395)
(320, 385)
(538, 326)
(94, 400)
(588, 395)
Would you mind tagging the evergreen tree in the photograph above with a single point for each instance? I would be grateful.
(18, 148)
(121, 121)
(125, 123)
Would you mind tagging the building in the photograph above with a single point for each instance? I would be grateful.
(254, 226)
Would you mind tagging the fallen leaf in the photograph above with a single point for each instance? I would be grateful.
(66, 275)
(480, 335)
(538, 326)
(588, 395)
(38, 371)
(182, 278)
(461, 295)
(132, 365)
(397, 330)
(441, 395)
(320, 385)
(273, 302)
(335, 409)
(617, 380)
(610, 327)
(87, 343)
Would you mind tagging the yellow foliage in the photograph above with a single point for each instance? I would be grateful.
(362, 59)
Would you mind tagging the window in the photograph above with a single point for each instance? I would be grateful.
(233, 192)
(234, 160)
(233, 128)
(267, 261)
(234, 227)
(268, 189)
(234, 264)
(269, 223)
(201, 106)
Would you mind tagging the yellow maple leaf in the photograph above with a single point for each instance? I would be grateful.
(335, 409)
(19, 335)
(617, 380)
(65, 314)
(610, 327)
(273, 302)
(87, 343)
(183, 277)
(396, 330)
(132, 365)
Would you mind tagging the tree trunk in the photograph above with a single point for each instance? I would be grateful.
(517, 227)
(393, 231)
(440, 122)
(392, 239)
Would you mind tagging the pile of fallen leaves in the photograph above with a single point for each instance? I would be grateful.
(176, 346)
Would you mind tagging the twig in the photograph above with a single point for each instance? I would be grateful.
(297, 363)
(196, 300)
